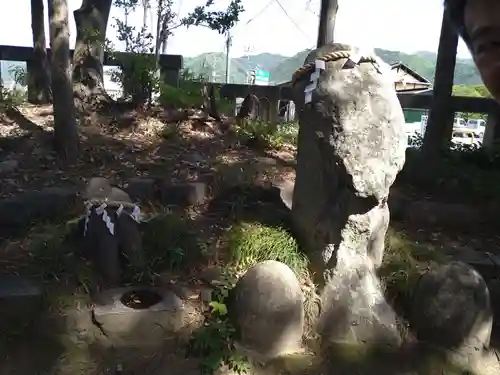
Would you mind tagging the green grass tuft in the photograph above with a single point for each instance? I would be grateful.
(273, 136)
(51, 254)
(169, 244)
(404, 262)
(251, 243)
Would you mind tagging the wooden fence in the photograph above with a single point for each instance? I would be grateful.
(270, 96)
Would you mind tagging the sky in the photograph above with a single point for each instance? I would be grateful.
(402, 25)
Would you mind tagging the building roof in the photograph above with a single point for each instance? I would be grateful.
(399, 66)
(397, 69)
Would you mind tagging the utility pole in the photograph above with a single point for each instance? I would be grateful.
(228, 60)
(327, 17)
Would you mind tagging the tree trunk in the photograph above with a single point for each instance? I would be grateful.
(145, 7)
(91, 22)
(158, 34)
(249, 109)
(38, 68)
(65, 131)
(209, 101)
(440, 122)
(328, 15)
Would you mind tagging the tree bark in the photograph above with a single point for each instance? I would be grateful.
(440, 122)
(145, 7)
(209, 101)
(158, 34)
(65, 131)
(91, 21)
(249, 109)
(328, 15)
(38, 68)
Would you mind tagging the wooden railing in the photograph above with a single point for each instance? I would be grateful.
(171, 66)
(274, 94)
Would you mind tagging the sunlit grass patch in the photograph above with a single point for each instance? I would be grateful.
(251, 243)
(404, 262)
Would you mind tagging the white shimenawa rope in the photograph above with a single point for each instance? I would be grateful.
(320, 66)
(101, 211)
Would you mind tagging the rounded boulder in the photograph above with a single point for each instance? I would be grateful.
(451, 309)
(267, 308)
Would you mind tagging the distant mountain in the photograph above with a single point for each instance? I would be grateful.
(422, 62)
(213, 66)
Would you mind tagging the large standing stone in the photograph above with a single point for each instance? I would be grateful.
(267, 308)
(355, 311)
(451, 309)
(351, 146)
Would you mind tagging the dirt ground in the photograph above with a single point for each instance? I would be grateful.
(172, 146)
(165, 144)
(160, 144)
(119, 147)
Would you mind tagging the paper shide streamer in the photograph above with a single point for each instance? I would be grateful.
(101, 211)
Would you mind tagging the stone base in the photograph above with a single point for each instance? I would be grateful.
(144, 327)
(20, 302)
(354, 311)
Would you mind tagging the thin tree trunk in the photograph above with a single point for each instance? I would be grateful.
(91, 21)
(38, 68)
(65, 131)
(440, 121)
(158, 34)
(145, 6)
(209, 101)
(328, 15)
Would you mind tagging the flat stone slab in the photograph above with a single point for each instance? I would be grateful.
(21, 211)
(20, 301)
(146, 326)
(16, 286)
(109, 301)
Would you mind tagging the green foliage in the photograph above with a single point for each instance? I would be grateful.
(462, 172)
(267, 135)
(13, 97)
(188, 94)
(51, 255)
(251, 243)
(169, 244)
(403, 264)
(19, 74)
(220, 21)
(137, 71)
(474, 91)
(18, 94)
(214, 341)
